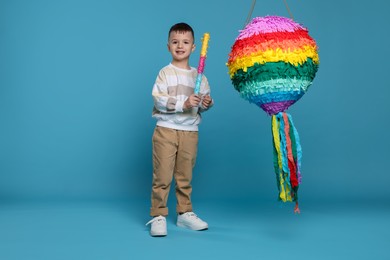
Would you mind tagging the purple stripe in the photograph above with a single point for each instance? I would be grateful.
(276, 107)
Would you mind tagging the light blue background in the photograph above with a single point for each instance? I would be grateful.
(76, 128)
(75, 108)
(75, 99)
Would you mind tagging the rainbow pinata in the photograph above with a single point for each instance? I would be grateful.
(272, 64)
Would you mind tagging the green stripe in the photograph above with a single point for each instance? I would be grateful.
(275, 70)
(278, 85)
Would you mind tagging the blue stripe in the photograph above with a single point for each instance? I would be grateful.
(276, 97)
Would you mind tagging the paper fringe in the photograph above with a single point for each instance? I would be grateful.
(287, 156)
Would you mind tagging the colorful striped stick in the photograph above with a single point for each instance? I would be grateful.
(203, 52)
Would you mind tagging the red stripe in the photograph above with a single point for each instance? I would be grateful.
(263, 39)
(291, 162)
(278, 36)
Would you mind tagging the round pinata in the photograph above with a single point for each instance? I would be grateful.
(273, 63)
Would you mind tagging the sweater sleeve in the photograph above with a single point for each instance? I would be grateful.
(205, 90)
(163, 102)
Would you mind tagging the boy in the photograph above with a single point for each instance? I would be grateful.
(175, 138)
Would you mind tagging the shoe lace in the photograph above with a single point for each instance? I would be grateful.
(192, 215)
(158, 219)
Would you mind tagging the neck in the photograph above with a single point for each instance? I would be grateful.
(181, 64)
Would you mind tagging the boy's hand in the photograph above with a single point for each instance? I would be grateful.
(192, 101)
(206, 101)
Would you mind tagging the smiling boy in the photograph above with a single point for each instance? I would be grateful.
(175, 139)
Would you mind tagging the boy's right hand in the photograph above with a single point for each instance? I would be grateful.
(192, 101)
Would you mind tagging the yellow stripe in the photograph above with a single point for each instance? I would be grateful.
(284, 192)
(275, 132)
(205, 44)
(295, 57)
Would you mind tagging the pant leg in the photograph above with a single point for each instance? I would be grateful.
(164, 157)
(185, 161)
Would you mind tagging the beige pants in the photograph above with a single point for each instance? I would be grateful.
(174, 155)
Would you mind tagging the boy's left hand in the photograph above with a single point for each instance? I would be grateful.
(206, 101)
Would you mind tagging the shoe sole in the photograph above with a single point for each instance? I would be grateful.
(158, 234)
(191, 228)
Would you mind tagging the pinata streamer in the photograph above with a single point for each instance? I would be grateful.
(202, 60)
(272, 63)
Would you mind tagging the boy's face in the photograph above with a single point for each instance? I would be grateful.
(180, 45)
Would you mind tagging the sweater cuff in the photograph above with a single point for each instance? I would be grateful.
(179, 106)
(211, 104)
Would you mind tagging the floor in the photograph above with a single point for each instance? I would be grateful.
(257, 230)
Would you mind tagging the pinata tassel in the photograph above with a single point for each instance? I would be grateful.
(287, 157)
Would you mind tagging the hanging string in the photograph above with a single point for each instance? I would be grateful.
(250, 13)
(253, 7)
(288, 9)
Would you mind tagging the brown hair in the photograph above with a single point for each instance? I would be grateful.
(181, 27)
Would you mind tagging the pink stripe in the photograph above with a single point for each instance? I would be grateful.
(201, 64)
(269, 24)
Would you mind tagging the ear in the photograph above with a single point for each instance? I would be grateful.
(169, 49)
(193, 48)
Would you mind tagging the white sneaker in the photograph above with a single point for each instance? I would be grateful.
(158, 226)
(191, 221)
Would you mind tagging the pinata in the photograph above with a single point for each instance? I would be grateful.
(272, 64)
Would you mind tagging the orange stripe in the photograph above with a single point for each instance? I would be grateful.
(249, 49)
